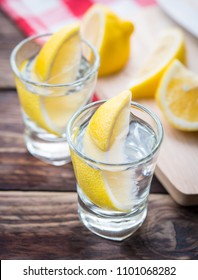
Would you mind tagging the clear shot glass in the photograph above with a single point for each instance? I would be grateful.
(134, 176)
(46, 108)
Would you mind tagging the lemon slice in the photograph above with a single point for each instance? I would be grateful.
(169, 46)
(110, 120)
(110, 35)
(59, 59)
(177, 96)
(57, 62)
(104, 140)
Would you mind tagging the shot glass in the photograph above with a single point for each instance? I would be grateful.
(134, 175)
(46, 108)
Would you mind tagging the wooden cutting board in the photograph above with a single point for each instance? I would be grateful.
(177, 166)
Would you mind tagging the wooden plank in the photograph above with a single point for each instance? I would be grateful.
(10, 37)
(180, 176)
(43, 225)
(21, 171)
(177, 167)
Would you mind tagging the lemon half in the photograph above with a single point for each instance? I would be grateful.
(111, 36)
(177, 96)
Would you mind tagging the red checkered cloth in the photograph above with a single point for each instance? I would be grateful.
(41, 16)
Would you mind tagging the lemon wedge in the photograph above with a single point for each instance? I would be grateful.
(59, 59)
(110, 120)
(170, 46)
(103, 140)
(57, 62)
(110, 35)
(177, 96)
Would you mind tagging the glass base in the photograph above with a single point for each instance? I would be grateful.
(47, 147)
(114, 227)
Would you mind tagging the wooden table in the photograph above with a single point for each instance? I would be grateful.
(38, 202)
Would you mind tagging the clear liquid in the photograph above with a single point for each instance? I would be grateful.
(138, 144)
(134, 180)
(28, 72)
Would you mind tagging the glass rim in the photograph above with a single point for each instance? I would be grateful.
(16, 71)
(121, 164)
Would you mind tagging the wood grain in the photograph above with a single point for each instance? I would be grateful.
(40, 225)
(10, 36)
